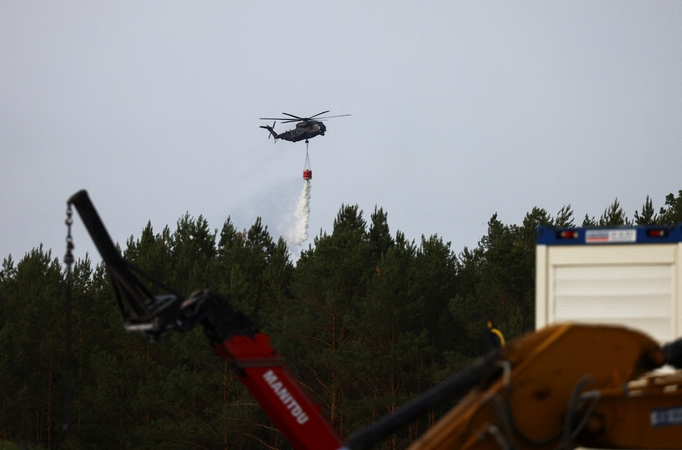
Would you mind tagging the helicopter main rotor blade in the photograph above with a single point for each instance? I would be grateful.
(281, 119)
(293, 118)
(331, 117)
(318, 114)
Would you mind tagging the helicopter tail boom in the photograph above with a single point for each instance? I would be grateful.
(271, 129)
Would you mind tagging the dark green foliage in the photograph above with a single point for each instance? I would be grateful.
(648, 214)
(614, 215)
(589, 222)
(671, 213)
(497, 280)
(367, 320)
(564, 217)
(329, 283)
(6, 445)
(380, 239)
(32, 337)
(391, 347)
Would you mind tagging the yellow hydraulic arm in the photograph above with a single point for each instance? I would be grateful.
(571, 385)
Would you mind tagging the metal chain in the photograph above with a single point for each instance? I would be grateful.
(68, 260)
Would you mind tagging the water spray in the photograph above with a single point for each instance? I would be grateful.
(302, 215)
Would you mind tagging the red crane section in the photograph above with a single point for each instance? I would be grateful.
(277, 391)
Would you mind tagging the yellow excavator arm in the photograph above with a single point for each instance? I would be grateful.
(567, 386)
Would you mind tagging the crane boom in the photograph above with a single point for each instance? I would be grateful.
(233, 337)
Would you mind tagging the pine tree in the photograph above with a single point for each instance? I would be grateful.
(152, 253)
(193, 250)
(31, 340)
(253, 272)
(329, 282)
(671, 213)
(648, 215)
(589, 222)
(614, 215)
(391, 343)
(435, 269)
(564, 217)
(380, 239)
(496, 282)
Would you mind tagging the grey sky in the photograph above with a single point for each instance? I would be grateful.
(459, 110)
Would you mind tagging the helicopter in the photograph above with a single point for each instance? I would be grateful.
(306, 128)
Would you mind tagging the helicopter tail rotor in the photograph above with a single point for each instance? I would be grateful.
(271, 129)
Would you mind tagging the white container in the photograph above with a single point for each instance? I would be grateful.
(626, 276)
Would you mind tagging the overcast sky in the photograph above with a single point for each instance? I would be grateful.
(459, 110)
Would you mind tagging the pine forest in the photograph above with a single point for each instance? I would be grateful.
(365, 319)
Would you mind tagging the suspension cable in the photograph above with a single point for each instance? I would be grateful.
(307, 165)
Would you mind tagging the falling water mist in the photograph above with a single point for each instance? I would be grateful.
(299, 233)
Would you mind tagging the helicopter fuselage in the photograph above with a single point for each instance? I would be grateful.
(304, 130)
